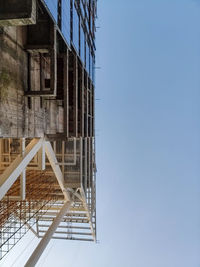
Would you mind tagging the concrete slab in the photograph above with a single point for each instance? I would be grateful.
(17, 12)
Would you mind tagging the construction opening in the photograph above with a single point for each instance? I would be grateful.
(47, 118)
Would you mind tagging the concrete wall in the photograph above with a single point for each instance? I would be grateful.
(17, 119)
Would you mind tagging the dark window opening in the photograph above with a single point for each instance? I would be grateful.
(47, 83)
(29, 103)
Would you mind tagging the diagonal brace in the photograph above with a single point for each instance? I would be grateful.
(10, 175)
(47, 237)
(56, 169)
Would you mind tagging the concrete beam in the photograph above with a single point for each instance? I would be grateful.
(17, 12)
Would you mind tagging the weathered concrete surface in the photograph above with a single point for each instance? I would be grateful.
(17, 12)
(12, 83)
(17, 119)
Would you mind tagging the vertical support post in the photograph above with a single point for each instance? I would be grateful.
(87, 110)
(37, 226)
(91, 115)
(41, 73)
(75, 153)
(45, 240)
(75, 97)
(89, 175)
(9, 150)
(41, 158)
(63, 159)
(81, 160)
(66, 93)
(0, 152)
(53, 85)
(1, 248)
(93, 107)
(82, 103)
(23, 175)
(29, 72)
(93, 173)
(86, 160)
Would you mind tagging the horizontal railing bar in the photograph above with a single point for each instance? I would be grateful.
(64, 220)
(71, 238)
(78, 215)
(62, 226)
(67, 233)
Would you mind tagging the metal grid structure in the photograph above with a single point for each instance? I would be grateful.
(18, 216)
(43, 195)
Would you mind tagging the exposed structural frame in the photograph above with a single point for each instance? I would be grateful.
(45, 240)
(47, 131)
(18, 168)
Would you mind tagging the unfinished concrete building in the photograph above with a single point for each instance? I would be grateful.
(47, 139)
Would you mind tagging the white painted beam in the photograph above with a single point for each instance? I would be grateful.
(56, 169)
(41, 158)
(32, 230)
(10, 175)
(88, 213)
(45, 240)
(23, 175)
(74, 158)
(27, 224)
(23, 185)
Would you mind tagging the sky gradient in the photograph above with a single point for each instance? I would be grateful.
(148, 141)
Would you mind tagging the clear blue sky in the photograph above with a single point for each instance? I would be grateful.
(148, 139)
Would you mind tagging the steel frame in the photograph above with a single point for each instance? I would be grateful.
(48, 190)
